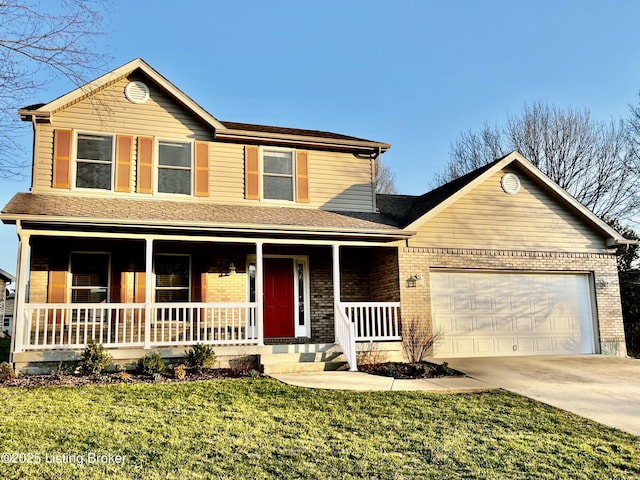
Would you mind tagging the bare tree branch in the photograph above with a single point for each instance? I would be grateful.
(40, 41)
(385, 178)
(595, 162)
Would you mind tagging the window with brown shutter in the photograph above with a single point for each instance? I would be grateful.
(201, 175)
(144, 183)
(251, 173)
(124, 148)
(302, 177)
(61, 177)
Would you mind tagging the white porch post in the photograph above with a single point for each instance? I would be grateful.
(259, 290)
(19, 320)
(148, 292)
(336, 285)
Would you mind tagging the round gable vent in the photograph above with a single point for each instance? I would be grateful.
(136, 92)
(510, 183)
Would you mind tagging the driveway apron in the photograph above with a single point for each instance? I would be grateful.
(601, 388)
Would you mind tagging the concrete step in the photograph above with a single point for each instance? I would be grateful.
(302, 358)
(304, 367)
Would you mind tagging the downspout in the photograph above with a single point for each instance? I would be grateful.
(33, 151)
(374, 169)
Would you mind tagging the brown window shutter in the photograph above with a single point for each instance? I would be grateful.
(62, 158)
(140, 287)
(302, 177)
(57, 293)
(202, 169)
(251, 173)
(145, 165)
(57, 286)
(124, 146)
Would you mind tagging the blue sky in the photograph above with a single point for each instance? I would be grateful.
(412, 73)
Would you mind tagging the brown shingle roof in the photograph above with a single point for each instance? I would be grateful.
(405, 209)
(290, 131)
(131, 212)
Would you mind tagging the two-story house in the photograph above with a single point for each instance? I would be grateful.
(152, 225)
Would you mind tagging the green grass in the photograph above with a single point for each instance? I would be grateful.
(260, 428)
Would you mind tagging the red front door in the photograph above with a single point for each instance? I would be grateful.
(278, 297)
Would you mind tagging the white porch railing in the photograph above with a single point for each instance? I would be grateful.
(374, 321)
(345, 337)
(365, 321)
(71, 326)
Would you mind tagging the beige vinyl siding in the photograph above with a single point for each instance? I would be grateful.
(109, 112)
(227, 173)
(487, 217)
(340, 181)
(337, 181)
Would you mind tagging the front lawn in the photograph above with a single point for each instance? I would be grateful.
(259, 428)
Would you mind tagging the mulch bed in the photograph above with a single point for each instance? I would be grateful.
(402, 370)
(63, 380)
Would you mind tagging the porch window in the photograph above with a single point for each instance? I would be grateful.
(174, 167)
(172, 278)
(94, 160)
(89, 277)
(277, 175)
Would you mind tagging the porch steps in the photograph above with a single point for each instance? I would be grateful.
(302, 358)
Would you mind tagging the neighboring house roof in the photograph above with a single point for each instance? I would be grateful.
(7, 277)
(195, 215)
(42, 112)
(418, 210)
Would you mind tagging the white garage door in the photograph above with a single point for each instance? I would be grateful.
(490, 313)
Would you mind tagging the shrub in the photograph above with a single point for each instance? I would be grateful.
(417, 340)
(94, 358)
(6, 372)
(200, 357)
(151, 364)
(180, 372)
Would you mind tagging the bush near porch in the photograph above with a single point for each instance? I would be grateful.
(263, 429)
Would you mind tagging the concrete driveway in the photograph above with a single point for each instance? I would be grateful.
(604, 389)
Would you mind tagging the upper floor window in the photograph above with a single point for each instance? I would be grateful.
(94, 161)
(277, 175)
(174, 167)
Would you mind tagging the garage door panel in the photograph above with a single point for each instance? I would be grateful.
(510, 313)
(503, 324)
(465, 346)
(463, 325)
(486, 346)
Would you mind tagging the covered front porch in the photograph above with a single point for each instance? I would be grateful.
(157, 292)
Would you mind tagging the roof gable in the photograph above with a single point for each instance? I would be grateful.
(427, 206)
(229, 131)
(42, 112)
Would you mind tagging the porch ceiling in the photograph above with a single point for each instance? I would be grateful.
(151, 213)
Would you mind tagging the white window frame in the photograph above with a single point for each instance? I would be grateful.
(300, 331)
(292, 151)
(157, 166)
(70, 286)
(74, 172)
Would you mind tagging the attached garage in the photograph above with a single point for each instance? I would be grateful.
(481, 313)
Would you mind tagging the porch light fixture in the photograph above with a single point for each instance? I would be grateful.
(414, 280)
(603, 282)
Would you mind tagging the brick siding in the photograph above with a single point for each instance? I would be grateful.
(416, 301)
